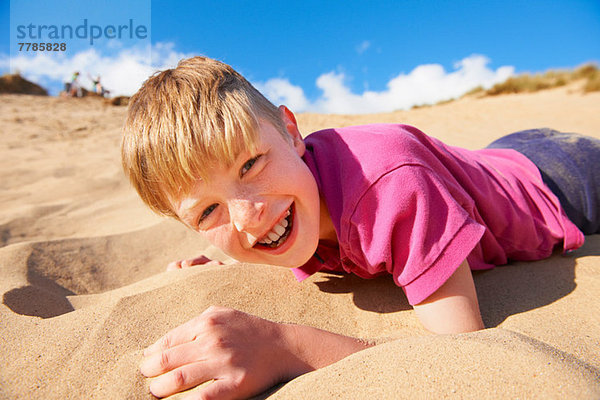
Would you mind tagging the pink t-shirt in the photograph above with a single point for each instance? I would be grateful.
(406, 204)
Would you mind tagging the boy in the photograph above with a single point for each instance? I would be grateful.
(203, 146)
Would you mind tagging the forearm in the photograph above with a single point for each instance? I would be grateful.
(453, 308)
(311, 348)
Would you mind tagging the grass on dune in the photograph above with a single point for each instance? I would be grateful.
(527, 83)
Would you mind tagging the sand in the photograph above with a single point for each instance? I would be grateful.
(84, 289)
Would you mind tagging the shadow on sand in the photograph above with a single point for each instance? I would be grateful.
(502, 291)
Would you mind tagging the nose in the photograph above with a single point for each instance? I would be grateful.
(246, 214)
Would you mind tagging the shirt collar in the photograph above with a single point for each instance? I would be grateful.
(311, 267)
(327, 257)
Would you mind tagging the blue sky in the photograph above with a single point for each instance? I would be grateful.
(330, 56)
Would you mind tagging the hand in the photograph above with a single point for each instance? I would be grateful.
(202, 260)
(241, 353)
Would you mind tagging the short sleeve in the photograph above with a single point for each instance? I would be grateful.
(414, 225)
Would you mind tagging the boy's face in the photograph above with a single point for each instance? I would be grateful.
(265, 208)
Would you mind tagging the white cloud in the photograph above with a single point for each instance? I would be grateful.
(125, 71)
(426, 84)
(363, 46)
(281, 91)
(122, 73)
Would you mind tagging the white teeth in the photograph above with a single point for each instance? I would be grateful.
(273, 236)
(279, 229)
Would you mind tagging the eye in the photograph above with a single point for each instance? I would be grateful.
(248, 164)
(207, 212)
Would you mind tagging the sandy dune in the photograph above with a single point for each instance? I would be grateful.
(83, 287)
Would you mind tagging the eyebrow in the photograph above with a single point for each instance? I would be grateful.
(186, 207)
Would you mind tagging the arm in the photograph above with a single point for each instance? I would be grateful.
(245, 355)
(453, 308)
(241, 353)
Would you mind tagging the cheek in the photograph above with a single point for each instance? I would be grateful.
(221, 237)
(308, 188)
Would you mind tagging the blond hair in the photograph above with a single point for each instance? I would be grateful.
(183, 121)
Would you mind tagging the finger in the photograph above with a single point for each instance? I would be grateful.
(180, 379)
(182, 334)
(170, 359)
(213, 263)
(218, 389)
(199, 260)
(174, 265)
(202, 260)
(186, 332)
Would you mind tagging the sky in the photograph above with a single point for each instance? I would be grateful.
(318, 56)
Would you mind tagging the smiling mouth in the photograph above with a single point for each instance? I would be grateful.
(279, 233)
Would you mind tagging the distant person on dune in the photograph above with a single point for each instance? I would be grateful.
(98, 87)
(73, 87)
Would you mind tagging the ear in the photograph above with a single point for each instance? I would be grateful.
(291, 126)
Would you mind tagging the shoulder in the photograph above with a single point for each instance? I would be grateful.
(370, 150)
(346, 161)
(364, 137)
(349, 163)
